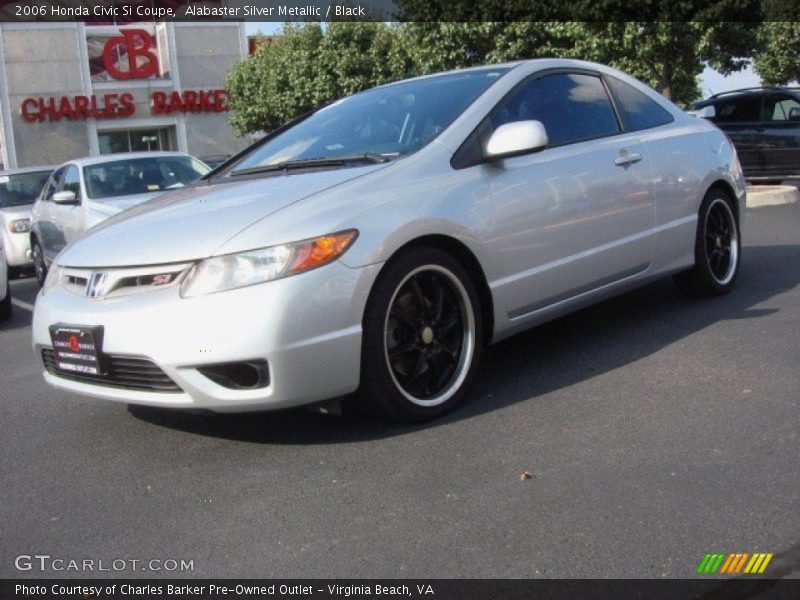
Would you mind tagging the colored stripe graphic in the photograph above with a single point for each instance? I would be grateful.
(710, 563)
(703, 563)
(764, 564)
(741, 562)
(727, 564)
(734, 563)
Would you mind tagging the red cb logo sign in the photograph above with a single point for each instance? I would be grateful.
(134, 43)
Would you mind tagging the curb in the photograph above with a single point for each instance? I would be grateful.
(771, 195)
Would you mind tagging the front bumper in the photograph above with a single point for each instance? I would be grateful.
(307, 327)
(17, 247)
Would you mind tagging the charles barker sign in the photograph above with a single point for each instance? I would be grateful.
(130, 55)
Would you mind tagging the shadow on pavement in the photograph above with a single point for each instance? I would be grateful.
(23, 290)
(556, 355)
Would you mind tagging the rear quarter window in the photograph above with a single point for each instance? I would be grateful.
(637, 111)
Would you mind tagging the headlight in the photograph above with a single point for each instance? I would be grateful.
(266, 264)
(53, 278)
(20, 226)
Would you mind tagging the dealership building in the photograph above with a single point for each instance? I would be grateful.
(69, 90)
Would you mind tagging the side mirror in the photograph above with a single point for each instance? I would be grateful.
(65, 197)
(707, 112)
(513, 139)
(794, 114)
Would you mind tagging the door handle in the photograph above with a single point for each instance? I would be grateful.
(623, 160)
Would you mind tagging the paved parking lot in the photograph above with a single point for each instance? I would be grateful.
(655, 429)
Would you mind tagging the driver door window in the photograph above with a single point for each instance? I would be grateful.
(573, 107)
(72, 182)
(52, 185)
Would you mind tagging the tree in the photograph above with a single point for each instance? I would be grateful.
(437, 46)
(668, 56)
(277, 82)
(306, 66)
(778, 61)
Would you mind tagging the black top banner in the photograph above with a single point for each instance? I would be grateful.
(122, 11)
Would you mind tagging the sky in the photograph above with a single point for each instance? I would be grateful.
(711, 81)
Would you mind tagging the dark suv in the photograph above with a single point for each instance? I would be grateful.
(764, 124)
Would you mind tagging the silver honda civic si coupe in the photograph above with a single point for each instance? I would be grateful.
(378, 244)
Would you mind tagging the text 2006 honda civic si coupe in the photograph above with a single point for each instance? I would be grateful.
(377, 244)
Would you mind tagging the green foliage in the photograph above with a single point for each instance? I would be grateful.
(308, 65)
(778, 63)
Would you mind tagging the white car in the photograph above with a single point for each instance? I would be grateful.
(5, 290)
(82, 193)
(19, 188)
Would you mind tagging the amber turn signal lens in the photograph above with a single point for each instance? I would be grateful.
(320, 251)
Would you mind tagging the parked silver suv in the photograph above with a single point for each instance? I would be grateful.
(19, 188)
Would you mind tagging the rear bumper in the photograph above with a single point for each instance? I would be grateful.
(307, 328)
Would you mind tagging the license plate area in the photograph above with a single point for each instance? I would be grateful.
(78, 349)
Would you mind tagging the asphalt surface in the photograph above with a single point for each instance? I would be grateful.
(655, 429)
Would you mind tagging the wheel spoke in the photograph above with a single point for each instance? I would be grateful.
(433, 374)
(446, 373)
(417, 371)
(438, 306)
(419, 296)
(713, 216)
(403, 348)
(445, 326)
(403, 318)
(450, 354)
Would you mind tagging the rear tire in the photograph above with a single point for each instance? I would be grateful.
(5, 305)
(39, 266)
(422, 337)
(717, 251)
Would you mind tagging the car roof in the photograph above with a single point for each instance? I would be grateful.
(476, 69)
(106, 158)
(26, 170)
(542, 63)
(745, 92)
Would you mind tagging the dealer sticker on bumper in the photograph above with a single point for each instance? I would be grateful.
(77, 349)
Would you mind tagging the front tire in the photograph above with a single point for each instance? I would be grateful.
(39, 266)
(718, 249)
(422, 337)
(5, 305)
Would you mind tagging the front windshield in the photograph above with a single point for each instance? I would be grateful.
(389, 121)
(132, 176)
(21, 188)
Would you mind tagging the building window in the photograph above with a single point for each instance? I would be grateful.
(136, 140)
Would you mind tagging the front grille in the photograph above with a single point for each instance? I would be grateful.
(126, 372)
(123, 281)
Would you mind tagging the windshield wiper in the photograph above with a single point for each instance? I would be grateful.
(310, 163)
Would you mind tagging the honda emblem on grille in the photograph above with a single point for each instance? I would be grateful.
(96, 288)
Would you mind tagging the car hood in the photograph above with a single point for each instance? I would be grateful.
(12, 213)
(113, 206)
(195, 221)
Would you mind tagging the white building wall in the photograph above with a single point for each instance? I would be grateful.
(50, 59)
